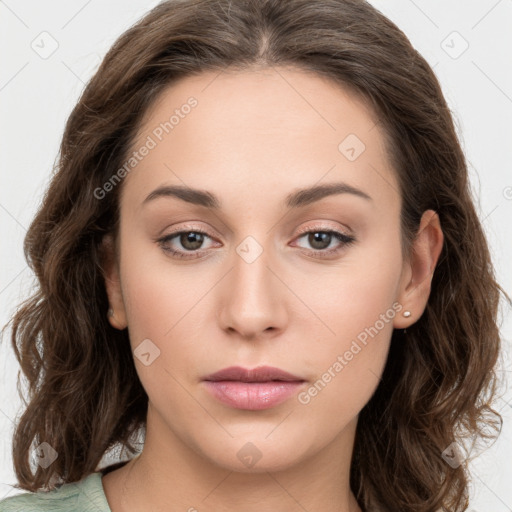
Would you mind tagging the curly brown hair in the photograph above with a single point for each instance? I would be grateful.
(84, 393)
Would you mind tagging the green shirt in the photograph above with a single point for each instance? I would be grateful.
(86, 495)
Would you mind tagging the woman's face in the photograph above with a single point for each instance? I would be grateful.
(260, 159)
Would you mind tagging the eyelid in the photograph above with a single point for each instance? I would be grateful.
(187, 227)
(321, 226)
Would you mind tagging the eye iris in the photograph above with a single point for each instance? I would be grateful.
(196, 240)
(320, 237)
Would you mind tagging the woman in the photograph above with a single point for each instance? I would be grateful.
(260, 253)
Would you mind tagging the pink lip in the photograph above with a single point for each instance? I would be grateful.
(257, 389)
(260, 374)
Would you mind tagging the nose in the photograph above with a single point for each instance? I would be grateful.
(253, 295)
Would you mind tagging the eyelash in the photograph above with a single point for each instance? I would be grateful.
(345, 240)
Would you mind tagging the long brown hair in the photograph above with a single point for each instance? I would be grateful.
(440, 379)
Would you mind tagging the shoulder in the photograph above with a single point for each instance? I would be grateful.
(86, 495)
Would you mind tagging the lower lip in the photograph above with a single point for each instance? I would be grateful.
(254, 396)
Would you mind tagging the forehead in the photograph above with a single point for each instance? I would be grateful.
(272, 128)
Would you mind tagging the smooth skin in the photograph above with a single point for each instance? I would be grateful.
(254, 138)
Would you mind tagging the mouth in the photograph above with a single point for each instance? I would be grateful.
(257, 389)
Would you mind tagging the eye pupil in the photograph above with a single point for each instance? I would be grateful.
(320, 237)
(192, 237)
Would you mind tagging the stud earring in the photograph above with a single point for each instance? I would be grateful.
(407, 314)
(110, 312)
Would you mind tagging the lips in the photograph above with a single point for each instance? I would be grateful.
(253, 396)
(257, 389)
(260, 374)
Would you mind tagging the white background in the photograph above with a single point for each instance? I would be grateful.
(37, 95)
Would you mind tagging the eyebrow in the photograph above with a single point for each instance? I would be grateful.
(296, 199)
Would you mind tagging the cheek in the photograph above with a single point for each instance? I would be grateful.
(346, 381)
(348, 365)
(162, 307)
(157, 292)
(358, 309)
(353, 295)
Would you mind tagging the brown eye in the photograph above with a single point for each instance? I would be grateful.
(185, 243)
(320, 240)
(191, 240)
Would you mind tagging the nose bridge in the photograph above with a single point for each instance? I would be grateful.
(253, 299)
(251, 275)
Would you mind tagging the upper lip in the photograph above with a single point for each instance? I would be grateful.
(260, 374)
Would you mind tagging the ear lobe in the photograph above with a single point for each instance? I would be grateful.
(416, 286)
(111, 275)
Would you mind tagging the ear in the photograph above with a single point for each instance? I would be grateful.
(113, 283)
(418, 271)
